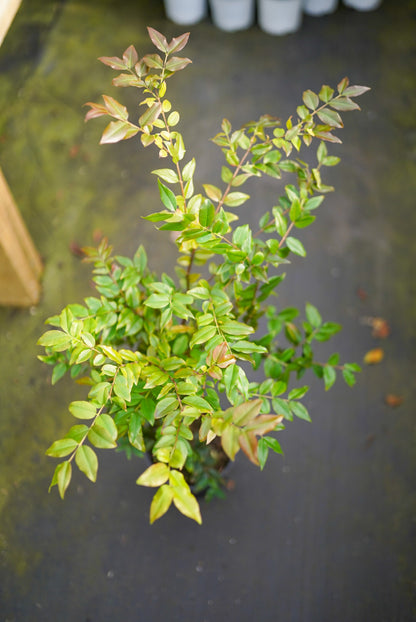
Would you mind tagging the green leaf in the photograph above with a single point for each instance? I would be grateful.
(173, 118)
(62, 477)
(58, 371)
(189, 170)
(78, 432)
(122, 388)
(167, 197)
(313, 202)
(299, 410)
(156, 475)
(199, 402)
(355, 91)
(349, 377)
(165, 406)
(55, 339)
(229, 441)
(327, 330)
(310, 99)
(206, 214)
(236, 329)
(326, 93)
(167, 174)
(212, 192)
(186, 503)
(82, 409)
(262, 452)
(344, 103)
(312, 315)
(330, 376)
(273, 444)
(247, 347)
(333, 359)
(234, 199)
(147, 410)
(87, 462)
(281, 407)
(103, 433)
(330, 117)
(298, 393)
(151, 114)
(157, 301)
(203, 335)
(62, 448)
(296, 246)
(161, 502)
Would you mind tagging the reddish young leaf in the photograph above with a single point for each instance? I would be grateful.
(118, 130)
(177, 63)
(113, 61)
(130, 56)
(178, 43)
(97, 110)
(115, 109)
(248, 443)
(158, 39)
(354, 91)
(126, 79)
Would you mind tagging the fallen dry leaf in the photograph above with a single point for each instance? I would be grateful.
(393, 400)
(374, 356)
(381, 329)
(361, 293)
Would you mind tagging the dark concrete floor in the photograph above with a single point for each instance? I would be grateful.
(324, 534)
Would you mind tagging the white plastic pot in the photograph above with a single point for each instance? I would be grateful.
(363, 5)
(279, 17)
(319, 7)
(232, 15)
(185, 12)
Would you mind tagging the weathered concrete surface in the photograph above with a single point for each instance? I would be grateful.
(327, 532)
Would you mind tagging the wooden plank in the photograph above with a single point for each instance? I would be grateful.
(8, 9)
(20, 264)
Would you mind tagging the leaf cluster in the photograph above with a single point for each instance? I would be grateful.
(166, 359)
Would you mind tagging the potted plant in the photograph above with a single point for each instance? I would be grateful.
(319, 7)
(166, 360)
(185, 12)
(363, 5)
(279, 17)
(232, 15)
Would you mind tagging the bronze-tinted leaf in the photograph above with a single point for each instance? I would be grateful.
(113, 61)
(178, 43)
(118, 130)
(177, 63)
(158, 39)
